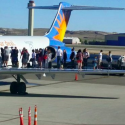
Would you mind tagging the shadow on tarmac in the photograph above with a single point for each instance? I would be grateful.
(54, 96)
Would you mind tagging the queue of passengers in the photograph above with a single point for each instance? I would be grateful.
(39, 57)
(82, 59)
(43, 58)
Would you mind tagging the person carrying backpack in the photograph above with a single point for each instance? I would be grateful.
(14, 56)
(72, 58)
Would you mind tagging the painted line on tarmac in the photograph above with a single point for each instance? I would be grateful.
(9, 119)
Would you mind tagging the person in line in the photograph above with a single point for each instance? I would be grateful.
(2, 54)
(121, 61)
(64, 58)
(23, 50)
(100, 59)
(0, 58)
(49, 58)
(40, 59)
(79, 57)
(45, 58)
(11, 51)
(72, 58)
(6, 56)
(85, 57)
(95, 63)
(33, 58)
(25, 58)
(109, 59)
(59, 57)
(14, 57)
(37, 57)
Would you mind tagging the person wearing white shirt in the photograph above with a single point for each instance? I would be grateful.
(59, 57)
(33, 58)
(49, 59)
(100, 59)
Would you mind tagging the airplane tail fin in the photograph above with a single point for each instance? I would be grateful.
(59, 25)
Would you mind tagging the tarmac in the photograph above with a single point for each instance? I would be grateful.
(95, 99)
(116, 50)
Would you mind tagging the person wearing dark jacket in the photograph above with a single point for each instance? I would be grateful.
(64, 58)
(72, 58)
(2, 54)
(14, 56)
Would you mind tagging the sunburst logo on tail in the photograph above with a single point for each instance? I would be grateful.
(62, 26)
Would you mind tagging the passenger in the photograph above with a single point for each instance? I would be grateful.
(33, 59)
(121, 62)
(37, 56)
(59, 57)
(11, 51)
(49, 59)
(100, 59)
(14, 56)
(45, 58)
(64, 58)
(40, 59)
(95, 63)
(6, 56)
(2, 54)
(79, 57)
(25, 58)
(72, 58)
(109, 59)
(85, 57)
(0, 58)
(23, 50)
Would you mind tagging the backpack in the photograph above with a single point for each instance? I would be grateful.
(109, 59)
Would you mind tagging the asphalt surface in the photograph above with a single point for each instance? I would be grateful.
(94, 99)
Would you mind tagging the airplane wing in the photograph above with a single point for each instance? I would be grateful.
(57, 71)
(56, 7)
(18, 74)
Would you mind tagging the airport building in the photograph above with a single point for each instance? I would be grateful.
(71, 40)
(115, 39)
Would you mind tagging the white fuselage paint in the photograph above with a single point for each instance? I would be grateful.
(29, 42)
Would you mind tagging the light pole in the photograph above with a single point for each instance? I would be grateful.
(31, 18)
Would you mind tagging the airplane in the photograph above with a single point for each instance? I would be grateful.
(51, 40)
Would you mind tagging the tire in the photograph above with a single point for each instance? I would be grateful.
(21, 88)
(122, 74)
(13, 88)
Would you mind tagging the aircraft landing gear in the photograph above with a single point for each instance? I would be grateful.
(13, 88)
(18, 87)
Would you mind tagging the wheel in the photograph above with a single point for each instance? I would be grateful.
(13, 88)
(21, 88)
(122, 74)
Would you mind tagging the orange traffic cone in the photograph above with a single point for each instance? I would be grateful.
(21, 116)
(35, 115)
(29, 116)
(76, 76)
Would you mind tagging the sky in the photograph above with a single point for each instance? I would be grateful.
(14, 14)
